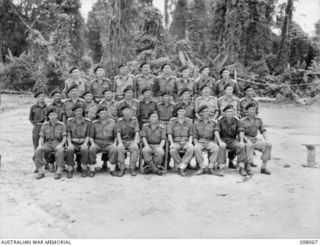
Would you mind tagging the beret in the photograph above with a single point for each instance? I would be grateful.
(124, 106)
(250, 105)
(97, 67)
(145, 89)
(153, 112)
(144, 63)
(52, 110)
(106, 89)
(184, 68)
(128, 88)
(122, 65)
(165, 93)
(101, 109)
(76, 106)
(203, 107)
(227, 107)
(71, 88)
(223, 69)
(166, 64)
(71, 69)
(227, 85)
(203, 86)
(86, 92)
(202, 68)
(180, 106)
(183, 91)
(55, 91)
(36, 94)
(248, 87)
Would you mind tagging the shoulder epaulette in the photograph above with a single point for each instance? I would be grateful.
(145, 124)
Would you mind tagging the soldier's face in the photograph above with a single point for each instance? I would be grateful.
(147, 94)
(76, 73)
(186, 95)
(229, 112)
(229, 90)
(100, 72)
(185, 73)
(53, 116)
(205, 71)
(108, 95)
(41, 98)
(123, 70)
(181, 112)
(74, 92)
(154, 118)
(129, 94)
(166, 98)
(88, 97)
(145, 68)
(103, 114)
(167, 69)
(78, 112)
(251, 111)
(126, 113)
(206, 91)
(57, 97)
(225, 74)
(205, 113)
(250, 92)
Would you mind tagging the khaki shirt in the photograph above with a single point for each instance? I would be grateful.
(91, 111)
(244, 103)
(81, 83)
(103, 132)
(68, 105)
(211, 102)
(112, 107)
(204, 130)
(38, 113)
(79, 130)
(188, 83)
(153, 135)
(134, 105)
(210, 82)
(180, 132)
(225, 101)
(252, 126)
(121, 82)
(163, 84)
(96, 87)
(165, 111)
(144, 82)
(53, 133)
(127, 128)
(190, 109)
(145, 108)
(59, 107)
(228, 130)
(220, 84)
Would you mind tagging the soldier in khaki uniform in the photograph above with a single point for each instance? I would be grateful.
(251, 125)
(165, 82)
(99, 84)
(78, 138)
(227, 130)
(110, 103)
(147, 105)
(74, 80)
(153, 136)
(180, 131)
(122, 81)
(206, 99)
(187, 103)
(185, 82)
(91, 106)
(128, 99)
(220, 84)
(57, 103)
(145, 79)
(52, 139)
(128, 139)
(247, 99)
(165, 108)
(229, 99)
(205, 79)
(203, 138)
(103, 137)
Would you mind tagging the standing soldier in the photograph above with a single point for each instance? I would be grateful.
(57, 103)
(180, 131)
(185, 82)
(103, 137)
(206, 99)
(128, 99)
(122, 81)
(110, 103)
(154, 138)
(226, 132)
(78, 138)
(203, 137)
(247, 99)
(251, 125)
(99, 84)
(220, 84)
(165, 108)
(145, 79)
(229, 99)
(187, 103)
(165, 82)
(91, 106)
(73, 93)
(128, 139)
(74, 80)
(205, 79)
(37, 117)
(52, 139)
(147, 105)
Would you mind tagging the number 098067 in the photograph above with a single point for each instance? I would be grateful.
(308, 241)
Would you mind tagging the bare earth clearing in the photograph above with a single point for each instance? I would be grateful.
(283, 205)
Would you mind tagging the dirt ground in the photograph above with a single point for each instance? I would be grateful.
(283, 205)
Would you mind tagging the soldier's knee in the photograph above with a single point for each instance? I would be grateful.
(134, 147)
(84, 148)
(160, 151)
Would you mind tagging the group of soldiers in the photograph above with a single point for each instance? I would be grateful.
(138, 116)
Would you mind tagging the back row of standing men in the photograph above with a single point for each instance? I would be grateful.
(145, 94)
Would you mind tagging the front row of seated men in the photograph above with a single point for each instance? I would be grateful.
(186, 139)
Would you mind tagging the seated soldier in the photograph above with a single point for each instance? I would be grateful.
(248, 98)
(187, 103)
(128, 139)
(251, 124)
(103, 134)
(147, 105)
(208, 100)
(52, 139)
(180, 132)
(92, 107)
(226, 132)
(203, 138)
(78, 139)
(165, 108)
(154, 138)
(128, 99)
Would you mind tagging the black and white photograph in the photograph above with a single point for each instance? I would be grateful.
(159, 119)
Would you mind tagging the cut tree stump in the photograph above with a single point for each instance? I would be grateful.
(311, 155)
